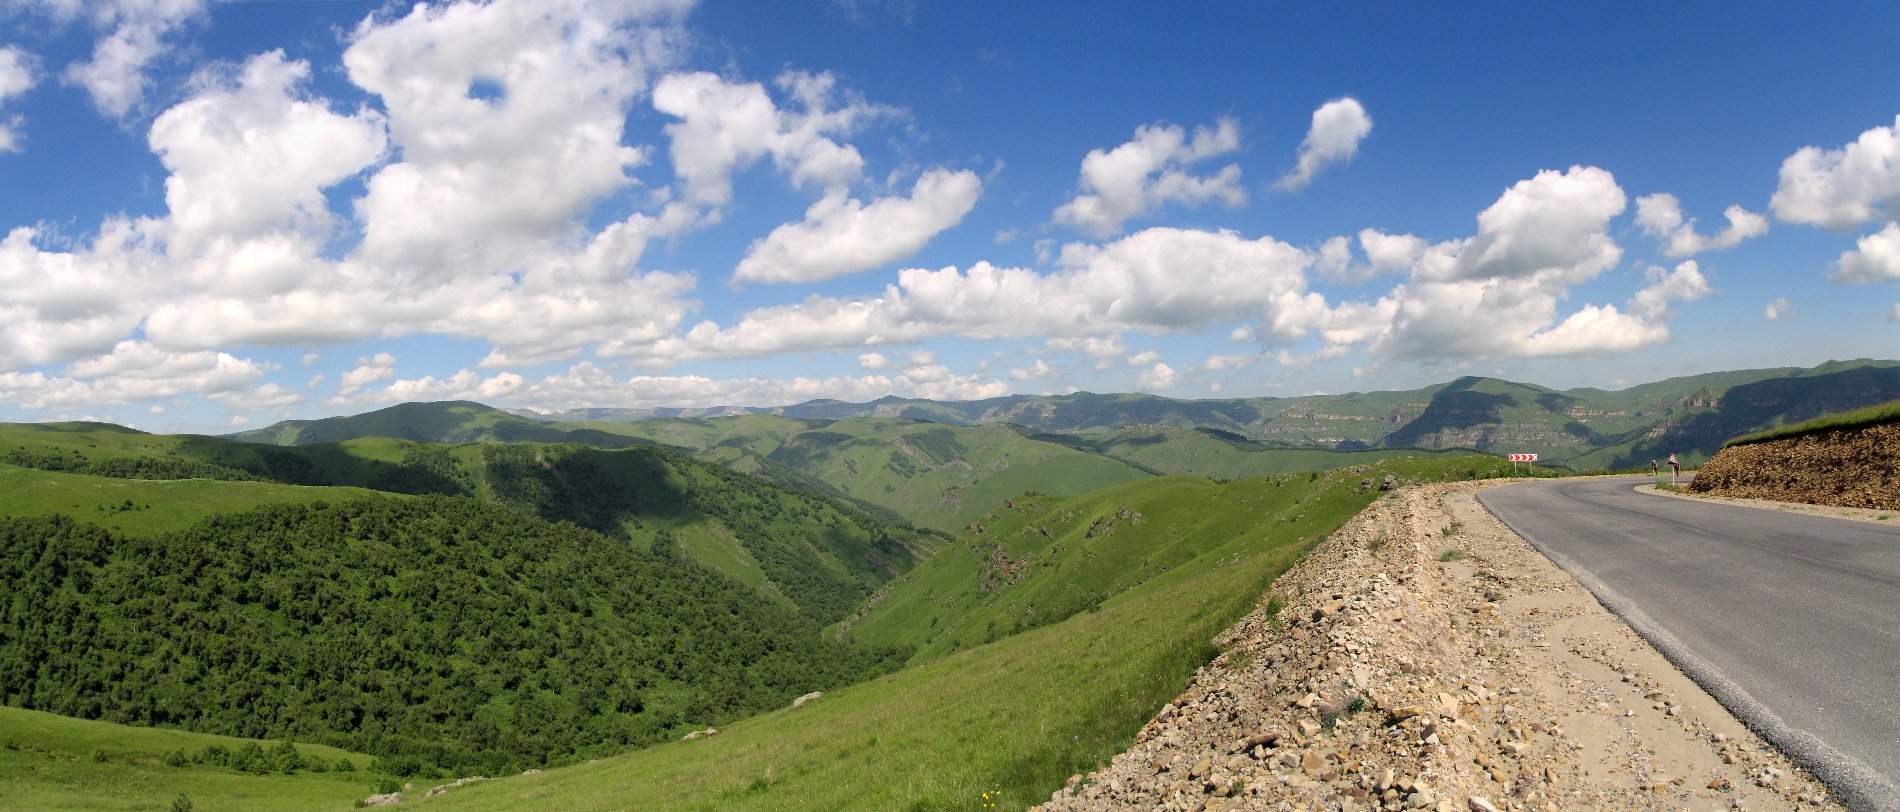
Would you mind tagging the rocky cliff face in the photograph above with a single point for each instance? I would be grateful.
(1849, 468)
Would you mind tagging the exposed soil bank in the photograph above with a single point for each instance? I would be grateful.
(1857, 468)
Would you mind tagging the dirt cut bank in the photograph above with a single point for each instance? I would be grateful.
(1425, 657)
(1857, 468)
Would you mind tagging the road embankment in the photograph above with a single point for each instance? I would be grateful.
(1426, 657)
(1857, 468)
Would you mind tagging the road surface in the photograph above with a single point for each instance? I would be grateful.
(1791, 621)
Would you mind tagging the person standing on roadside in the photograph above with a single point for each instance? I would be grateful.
(1653, 469)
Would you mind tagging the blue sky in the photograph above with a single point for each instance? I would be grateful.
(220, 214)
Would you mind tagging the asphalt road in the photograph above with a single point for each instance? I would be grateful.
(1791, 621)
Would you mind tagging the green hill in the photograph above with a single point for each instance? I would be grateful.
(1208, 452)
(143, 507)
(1015, 716)
(813, 554)
(1039, 559)
(52, 762)
(1696, 430)
(445, 631)
(931, 474)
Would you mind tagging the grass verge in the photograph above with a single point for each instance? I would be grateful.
(51, 763)
(1888, 412)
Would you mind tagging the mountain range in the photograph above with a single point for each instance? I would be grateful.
(1578, 429)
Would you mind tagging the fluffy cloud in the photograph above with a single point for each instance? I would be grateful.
(1034, 372)
(134, 33)
(380, 367)
(59, 305)
(132, 371)
(1338, 127)
(16, 77)
(1496, 294)
(1391, 252)
(1660, 216)
(1876, 258)
(726, 126)
(1385, 253)
(477, 230)
(1101, 349)
(1157, 377)
(268, 397)
(586, 384)
(249, 157)
(1684, 283)
(485, 183)
(1777, 308)
(1842, 188)
(1144, 174)
(1555, 223)
(842, 236)
(1156, 280)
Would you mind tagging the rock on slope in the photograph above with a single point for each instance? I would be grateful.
(1850, 468)
(1386, 672)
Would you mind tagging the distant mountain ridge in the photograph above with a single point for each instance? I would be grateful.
(1583, 428)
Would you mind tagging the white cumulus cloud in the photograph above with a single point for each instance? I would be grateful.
(1845, 187)
(842, 236)
(379, 367)
(1150, 171)
(1497, 293)
(1684, 283)
(249, 156)
(133, 34)
(726, 126)
(1777, 308)
(132, 371)
(17, 76)
(1157, 280)
(1338, 127)
(587, 384)
(1660, 216)
(1034, 372)
(1876, 258)
(1157, 377)
(483, 183)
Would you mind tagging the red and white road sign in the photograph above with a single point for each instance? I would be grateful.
(1523, 457)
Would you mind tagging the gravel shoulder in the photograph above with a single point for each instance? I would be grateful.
(1389, 672)
(1877, 516)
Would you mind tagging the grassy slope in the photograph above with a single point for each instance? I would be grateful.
(931, 474)
(789, 526)
(1017, 715)
(1881, 414)
(943, 476)
(157, 505)
(47, 762)
(447, 421)
(1212, 453)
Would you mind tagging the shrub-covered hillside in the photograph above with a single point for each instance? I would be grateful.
(431, 631)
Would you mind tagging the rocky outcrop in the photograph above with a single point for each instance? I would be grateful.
(1857, 468)
(800, 702)
(456, 784)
